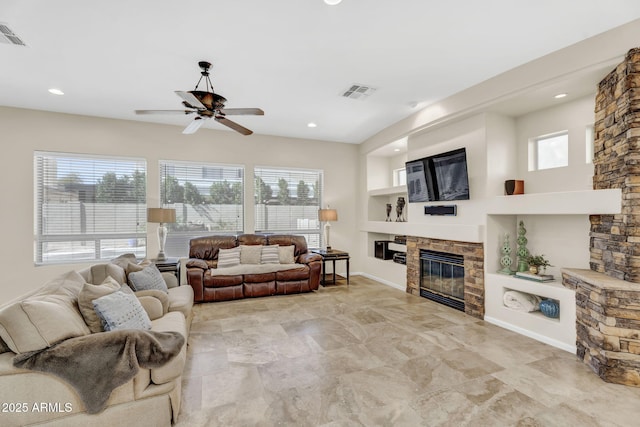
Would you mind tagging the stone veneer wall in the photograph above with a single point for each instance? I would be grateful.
(608, 295)
(615, 239)
(473, 254)
(608, 325)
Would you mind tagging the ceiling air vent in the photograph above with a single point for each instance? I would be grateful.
(358, 91)
(8, 36)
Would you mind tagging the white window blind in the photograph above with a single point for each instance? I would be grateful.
(208, 199)
(88, 207)
(287, 201)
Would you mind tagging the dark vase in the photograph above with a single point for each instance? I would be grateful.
(550, 308)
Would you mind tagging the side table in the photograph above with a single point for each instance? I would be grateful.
(169, 265)
(332, 255)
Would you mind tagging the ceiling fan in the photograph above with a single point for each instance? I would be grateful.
(207, 104)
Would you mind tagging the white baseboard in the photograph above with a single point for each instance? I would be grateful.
(530, 334)
(384, 282)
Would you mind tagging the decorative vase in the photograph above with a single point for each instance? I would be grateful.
(399, 208)
(523, 252)
(550, 308)
(533, 269)
(505, 260)
(389, 208)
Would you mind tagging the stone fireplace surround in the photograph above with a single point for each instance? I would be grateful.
(473, 254)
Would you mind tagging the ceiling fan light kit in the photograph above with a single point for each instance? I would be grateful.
(207, 104)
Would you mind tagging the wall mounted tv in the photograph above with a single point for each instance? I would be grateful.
(442, 177)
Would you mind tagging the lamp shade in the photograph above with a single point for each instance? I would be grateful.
(161, 215)
(327, 215)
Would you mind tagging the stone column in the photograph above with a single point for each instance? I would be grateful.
(615, 239)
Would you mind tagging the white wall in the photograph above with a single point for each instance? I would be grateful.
(25, 131)
(573, 117)
(468, 134)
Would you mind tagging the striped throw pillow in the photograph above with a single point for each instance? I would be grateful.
(270, 255)
(228, 257)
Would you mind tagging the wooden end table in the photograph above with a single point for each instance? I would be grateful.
(332, 255)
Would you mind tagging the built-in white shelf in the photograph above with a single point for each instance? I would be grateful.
(560, 332)
(561, 203)
(388, 191)
(460, 232)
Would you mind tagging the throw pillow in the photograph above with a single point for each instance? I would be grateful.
(87, 295)
(132, 267)
(124, 260)
(228, 257)
(120, 310)
(270, 255)
(286, 254)
(148, 278)
(250, 254)
(45, 317)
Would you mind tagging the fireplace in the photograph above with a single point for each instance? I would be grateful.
(442, 278)
(471, 271)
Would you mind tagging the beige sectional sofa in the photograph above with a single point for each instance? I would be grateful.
(50, 318)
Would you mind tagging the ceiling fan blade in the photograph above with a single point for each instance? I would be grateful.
(233, 125)
(193, 126)
(190, 99)
(242, 111)
(165, 111)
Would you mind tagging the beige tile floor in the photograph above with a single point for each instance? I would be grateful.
(372, 355)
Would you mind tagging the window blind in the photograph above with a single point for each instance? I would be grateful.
(287, 201)
(208, 199)
(88, 207)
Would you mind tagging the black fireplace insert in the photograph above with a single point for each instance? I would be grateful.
(442, 278)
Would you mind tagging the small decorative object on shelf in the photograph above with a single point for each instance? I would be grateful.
(550, 308)
(523, 252)
(389, 208)
(505, 260)
(399, 208)
(537, 264)
(534, 277)
(513, 186)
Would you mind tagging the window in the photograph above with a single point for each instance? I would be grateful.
(287, 201)
(549, 151)
(88, 207)
(589, 140)
(208, 198)
(399, 177)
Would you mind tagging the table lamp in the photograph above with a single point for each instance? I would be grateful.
(326, 216)
(161, 216)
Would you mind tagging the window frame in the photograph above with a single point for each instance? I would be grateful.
(535, 147)
(46, 163)
(313, 233)
(209, 173)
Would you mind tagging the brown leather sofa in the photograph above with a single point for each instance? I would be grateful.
(250, 280)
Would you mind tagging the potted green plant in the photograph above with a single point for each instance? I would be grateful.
(537, 264)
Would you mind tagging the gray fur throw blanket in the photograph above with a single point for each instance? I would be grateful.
(94, 365)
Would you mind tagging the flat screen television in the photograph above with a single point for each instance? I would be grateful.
(442, 177)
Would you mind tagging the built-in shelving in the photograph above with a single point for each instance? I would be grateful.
(561, 203)
(461, 232)
(398, 190)
(560, 332)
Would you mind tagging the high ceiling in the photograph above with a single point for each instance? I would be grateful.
(292, 58)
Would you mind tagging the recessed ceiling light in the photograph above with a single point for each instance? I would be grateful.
(311, 125)
(560, 95)
(55, 91)
(396, 149)
(332, 2)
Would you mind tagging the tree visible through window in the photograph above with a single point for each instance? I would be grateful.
(287, 201)
(88, 207)
(208, 199)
